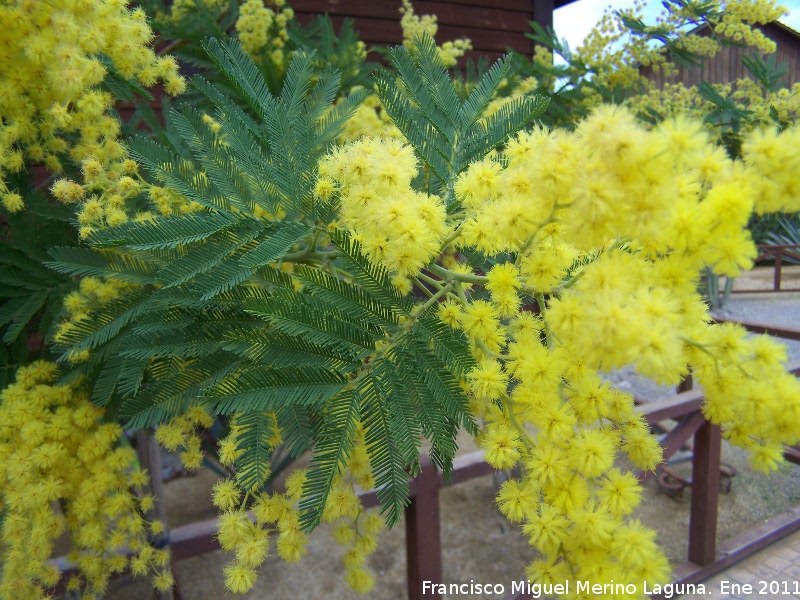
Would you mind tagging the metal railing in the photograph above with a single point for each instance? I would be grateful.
(775, 253)
(704, 556)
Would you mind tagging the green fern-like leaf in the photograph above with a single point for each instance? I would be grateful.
(164, 232)
(255, 429)
(383, 438)
(297, 429)
(295, 315)
(174, 393)
(283, 238)
(374, 279)
(342, 413)
(446, 133)
(350, 299)
(87, 262)
(277, 349)
(270, 388)
(198, 259)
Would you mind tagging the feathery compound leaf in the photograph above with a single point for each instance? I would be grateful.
(178, 174)
(323, 94)
(443, 387)
(255, 429)
(485, 135)
(286, 235)
(351, 300)
(228, 109)
(215, 157)
(430, 144)
(373, 278)
(178, 390)
(201, 258)
(331, 453)
(438, 84)
(449, 345)
(101, 325)
(297, 430)
(381, 436)
(421, 90)
(248, 142)
(271, 277)
(277, 349)
(401, 414)
(269, 388)
(164, 232)
(332, 121)
(106, 382)
(480, 96)
(297, 84)
(436, 425)
(242, 73)
(86, 262)
(23, 313)
(294, 315)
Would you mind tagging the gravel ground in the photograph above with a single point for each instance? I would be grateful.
(782, 310)
(478, 543)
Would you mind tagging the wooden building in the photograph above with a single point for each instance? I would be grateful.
(492, 25)
(726, 66)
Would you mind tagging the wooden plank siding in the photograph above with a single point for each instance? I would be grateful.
(727, 66)
(493, 26)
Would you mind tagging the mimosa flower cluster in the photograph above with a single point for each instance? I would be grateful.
(760, 105)
(614, 54)
(63, 470)
(50, 74)
(92, 293)
(399, 228)
(370, 119)
(249, 538)
(262, 30)
(248, 535)
(183, 9)
(415, 26)
(608, 228)
(181, 434)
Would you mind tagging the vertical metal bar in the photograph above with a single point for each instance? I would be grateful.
(705, 495)
(778, 263)
(423, 535)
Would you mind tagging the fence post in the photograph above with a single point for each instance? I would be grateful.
(149, 455)
(423, 534)
(776, 282)
(705, 494)
(687, 384)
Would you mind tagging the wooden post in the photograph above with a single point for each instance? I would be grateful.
(543, 12)
(705, 495)
(776, 284)
(150, 459)
(543, 15)
(686, 385)
(423, 534)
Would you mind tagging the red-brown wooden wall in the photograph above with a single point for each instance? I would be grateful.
(726, 66)
(492, 25)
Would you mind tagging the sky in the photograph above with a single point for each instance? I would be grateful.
(575, 20)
